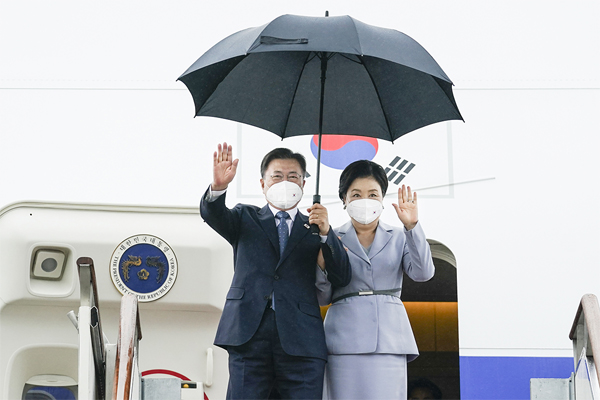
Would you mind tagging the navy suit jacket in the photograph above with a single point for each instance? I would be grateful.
(259, 271)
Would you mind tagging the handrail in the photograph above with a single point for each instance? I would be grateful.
(585, 331)
(100, 207)
(89, 298)
(130, 333)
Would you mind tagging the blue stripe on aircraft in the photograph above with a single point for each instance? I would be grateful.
(507, 378)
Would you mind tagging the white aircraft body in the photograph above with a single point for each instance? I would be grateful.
(100, 153)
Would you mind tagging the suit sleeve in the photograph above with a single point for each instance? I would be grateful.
(416, 260)
(216, 214)
(337, 263)
(324, 289)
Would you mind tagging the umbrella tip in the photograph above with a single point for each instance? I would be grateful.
(327, 13)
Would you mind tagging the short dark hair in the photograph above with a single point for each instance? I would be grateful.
(281, 153)
(425, 384)
(362, 169)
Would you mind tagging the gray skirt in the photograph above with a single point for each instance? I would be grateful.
(365, 377)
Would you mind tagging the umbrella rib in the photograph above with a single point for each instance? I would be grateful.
(387, 122)
(287, 118)
(311, 58)
(349, 59)
(448, 98)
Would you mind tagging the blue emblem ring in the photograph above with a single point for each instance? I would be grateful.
(144, 265)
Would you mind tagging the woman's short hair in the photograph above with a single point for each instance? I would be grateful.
(362, 169)
(281, 153)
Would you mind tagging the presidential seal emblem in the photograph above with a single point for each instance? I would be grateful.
(143, 265)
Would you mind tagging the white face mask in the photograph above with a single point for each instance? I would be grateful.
(284, 195)
(364, 211)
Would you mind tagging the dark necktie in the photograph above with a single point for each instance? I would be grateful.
(282, 230)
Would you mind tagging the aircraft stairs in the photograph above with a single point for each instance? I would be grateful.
(110, 371)
(584, 382)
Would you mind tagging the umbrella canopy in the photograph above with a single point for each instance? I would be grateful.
(379, 82)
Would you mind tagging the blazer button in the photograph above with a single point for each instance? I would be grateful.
(266, 297)
(276, 277)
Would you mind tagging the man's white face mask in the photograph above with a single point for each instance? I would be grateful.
(364, 211)
(284, 194)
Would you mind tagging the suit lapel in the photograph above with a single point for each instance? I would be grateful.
(348, 237)
(267, 221)
(383, 234)
(299, 230)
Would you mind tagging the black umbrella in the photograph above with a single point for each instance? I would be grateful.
(328, 75)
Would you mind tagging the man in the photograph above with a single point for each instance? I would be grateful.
(271, 324)
(423, 389)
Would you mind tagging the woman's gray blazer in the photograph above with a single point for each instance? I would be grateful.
(375, 323)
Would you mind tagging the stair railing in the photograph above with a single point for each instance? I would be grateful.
(127, 380)
(92, 362)
(585, 334)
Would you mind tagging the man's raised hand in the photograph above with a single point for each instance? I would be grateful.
(224, 167)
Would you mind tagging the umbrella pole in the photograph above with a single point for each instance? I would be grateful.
(317, 196)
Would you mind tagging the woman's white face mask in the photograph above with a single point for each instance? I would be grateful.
(284, 194)
(364, 211)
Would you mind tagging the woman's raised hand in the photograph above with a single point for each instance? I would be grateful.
(407, 208)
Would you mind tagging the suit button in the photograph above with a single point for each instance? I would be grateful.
(266, 297)
(276, 277)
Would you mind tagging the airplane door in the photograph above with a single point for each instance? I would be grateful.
(432, 308)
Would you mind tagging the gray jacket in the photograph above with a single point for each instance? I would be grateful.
(375, 323)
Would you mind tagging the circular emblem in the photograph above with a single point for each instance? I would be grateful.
(143, 265)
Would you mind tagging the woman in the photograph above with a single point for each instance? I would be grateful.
(369, 338)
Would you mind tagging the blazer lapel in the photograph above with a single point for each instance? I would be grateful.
(267, 221)
(299, 230)
(348, 237)
(383, 234)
